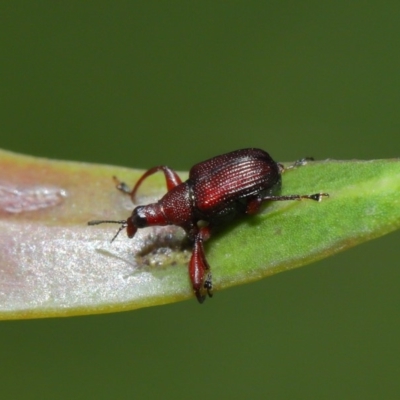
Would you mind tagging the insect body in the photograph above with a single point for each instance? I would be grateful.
(217, 190)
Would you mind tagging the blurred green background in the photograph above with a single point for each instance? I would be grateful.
(142, 83)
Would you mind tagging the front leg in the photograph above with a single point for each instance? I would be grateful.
(199, 269)
(172, 180)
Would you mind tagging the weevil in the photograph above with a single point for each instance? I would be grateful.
(217, 190)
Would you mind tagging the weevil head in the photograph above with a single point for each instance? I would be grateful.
(131, 228)
(139, 217)
(137, 220)
(148, 215)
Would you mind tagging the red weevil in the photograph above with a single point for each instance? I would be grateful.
(217, 190)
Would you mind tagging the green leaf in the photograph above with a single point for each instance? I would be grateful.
(53, 264)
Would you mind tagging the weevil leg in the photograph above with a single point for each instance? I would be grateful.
(282, 168)
(316, 197)
(253, 205)
(171, 177)
(122, 186)
(296, 164)
(199, 269)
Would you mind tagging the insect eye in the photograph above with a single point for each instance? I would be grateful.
(139, 218)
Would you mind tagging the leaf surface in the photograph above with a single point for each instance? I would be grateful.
(53, 264)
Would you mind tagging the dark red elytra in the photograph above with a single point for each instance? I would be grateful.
(217, 190)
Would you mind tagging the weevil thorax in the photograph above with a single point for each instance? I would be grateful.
(177, 205)
(174, 208)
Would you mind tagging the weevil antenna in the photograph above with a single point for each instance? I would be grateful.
(123, 224)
